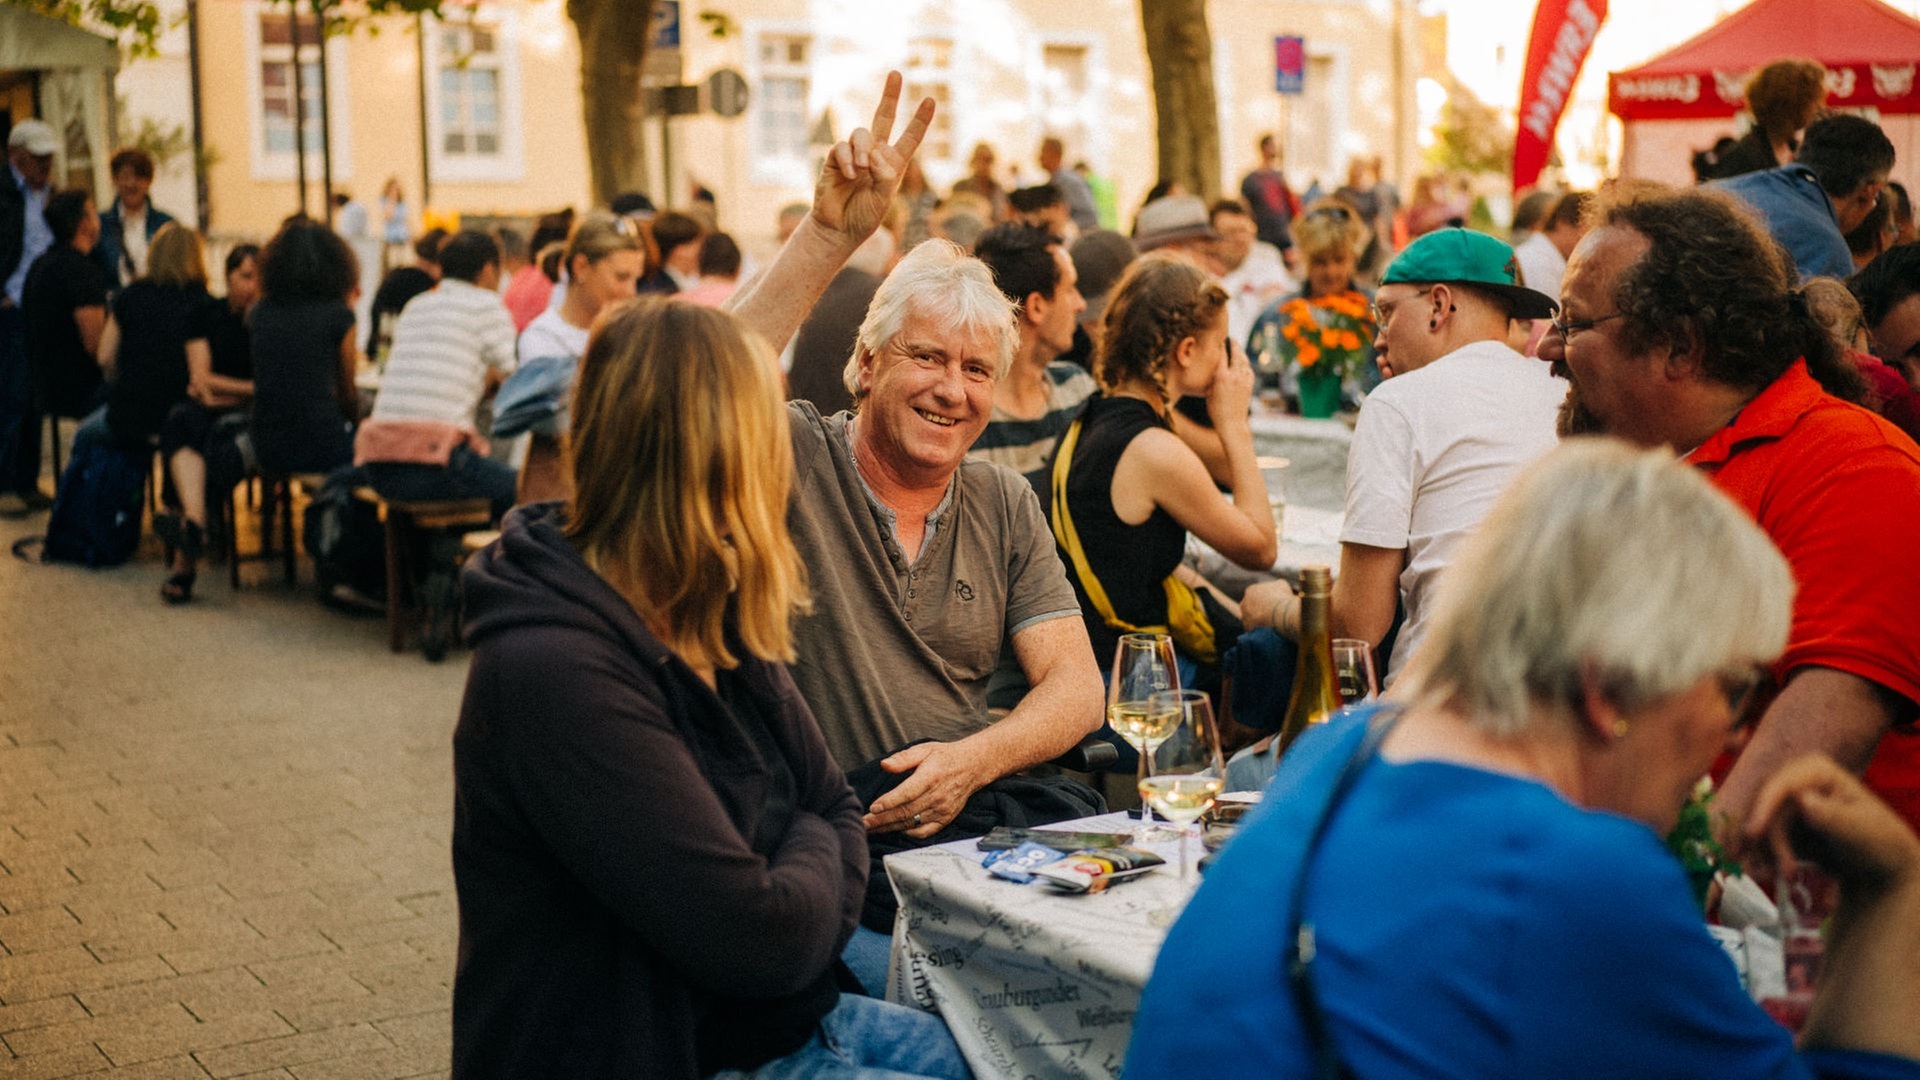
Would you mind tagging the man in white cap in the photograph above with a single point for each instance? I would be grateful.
(24, 234)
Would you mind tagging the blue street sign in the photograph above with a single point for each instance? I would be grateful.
(666, 24)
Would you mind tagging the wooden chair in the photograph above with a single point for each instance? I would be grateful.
(276, 494)
(435, 605)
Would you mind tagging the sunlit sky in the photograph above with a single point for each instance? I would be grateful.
(1487, 39)
(1487, 44)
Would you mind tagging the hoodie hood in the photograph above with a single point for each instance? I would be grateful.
(532, 576)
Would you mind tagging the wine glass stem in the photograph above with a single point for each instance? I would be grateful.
(1186, 869)
(1146, 808)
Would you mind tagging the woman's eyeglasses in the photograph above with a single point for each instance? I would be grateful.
(1331, 213)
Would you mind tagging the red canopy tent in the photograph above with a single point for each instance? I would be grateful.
(1685, 98)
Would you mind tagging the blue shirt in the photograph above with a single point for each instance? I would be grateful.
(37, 237)
(1800, 216)
(1469, 924)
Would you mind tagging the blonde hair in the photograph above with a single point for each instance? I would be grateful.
(1602, 565)
(681, 465)
(599, 235)
(176, 257)
(1325, 229)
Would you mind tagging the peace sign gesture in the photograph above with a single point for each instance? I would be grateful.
(862, 172)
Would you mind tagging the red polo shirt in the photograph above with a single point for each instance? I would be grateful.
(1838, 490)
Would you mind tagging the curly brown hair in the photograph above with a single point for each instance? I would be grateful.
(1780, 94)
(1160, 301)
(1713, 276)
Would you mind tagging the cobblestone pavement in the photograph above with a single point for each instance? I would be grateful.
(223, 831)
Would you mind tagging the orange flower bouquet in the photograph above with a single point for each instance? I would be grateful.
(1326, 340)
(1328, 333)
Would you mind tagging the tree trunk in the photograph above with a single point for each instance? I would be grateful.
(1180, 52)
(613, 43)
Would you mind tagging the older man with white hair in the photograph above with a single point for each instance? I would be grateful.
(923, 565)
(885, 504)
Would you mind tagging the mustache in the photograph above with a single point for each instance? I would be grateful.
(1574, 418)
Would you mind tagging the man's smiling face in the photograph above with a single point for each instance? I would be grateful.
(929, 395)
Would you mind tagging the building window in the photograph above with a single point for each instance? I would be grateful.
(277, 112)
(929, 74)
(267, 68)
(1064, 97)
(470, 81)
(474, 113)
(781, 128)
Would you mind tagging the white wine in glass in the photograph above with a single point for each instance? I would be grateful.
(1143, 665)
(1180, 799)
(1185, 772)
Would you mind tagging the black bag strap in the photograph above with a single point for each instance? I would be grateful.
(1301, 946)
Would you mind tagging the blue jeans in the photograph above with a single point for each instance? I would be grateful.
(868, 955)
(864, 1039)
(466, 475)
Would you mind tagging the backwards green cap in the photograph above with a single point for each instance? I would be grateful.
(1461, 256)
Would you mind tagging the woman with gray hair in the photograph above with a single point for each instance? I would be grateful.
(1469, 880)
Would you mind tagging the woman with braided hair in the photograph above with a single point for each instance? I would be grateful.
(1127, 490)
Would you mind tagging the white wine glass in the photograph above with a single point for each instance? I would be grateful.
(1353, 672)
(1184, 772)
(1143, 665)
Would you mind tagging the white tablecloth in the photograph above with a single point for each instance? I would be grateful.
(1031, 982)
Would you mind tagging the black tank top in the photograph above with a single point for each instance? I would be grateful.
(1129, 561)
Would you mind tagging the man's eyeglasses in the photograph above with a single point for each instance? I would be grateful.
(1333, 213)
(1566, 327)
(1384, 312)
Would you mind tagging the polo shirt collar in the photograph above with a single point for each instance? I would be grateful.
(886, 512)
(1770, 415)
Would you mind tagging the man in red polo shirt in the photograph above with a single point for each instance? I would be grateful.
(1680, 326)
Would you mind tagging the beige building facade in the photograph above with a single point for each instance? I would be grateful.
(495, 87)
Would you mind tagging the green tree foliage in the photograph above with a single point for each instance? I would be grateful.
(1471, 137)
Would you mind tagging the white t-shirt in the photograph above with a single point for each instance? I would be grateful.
(1260, 279)
(1432, 450)
(444, 343)
(1542, 264)
(133, 239)
(550, 335)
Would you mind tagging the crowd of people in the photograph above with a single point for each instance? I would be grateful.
(822, 559)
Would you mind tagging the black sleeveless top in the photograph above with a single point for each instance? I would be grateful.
(1129, 561)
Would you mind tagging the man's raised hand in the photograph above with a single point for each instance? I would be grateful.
(862, 172)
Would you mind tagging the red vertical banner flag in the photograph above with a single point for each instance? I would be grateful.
(1563, 31)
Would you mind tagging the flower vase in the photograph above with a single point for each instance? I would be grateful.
(1319, 393)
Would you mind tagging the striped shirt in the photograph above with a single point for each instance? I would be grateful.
(1026, 446)
(443, 345)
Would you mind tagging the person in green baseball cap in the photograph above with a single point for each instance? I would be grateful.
(1460, 413)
